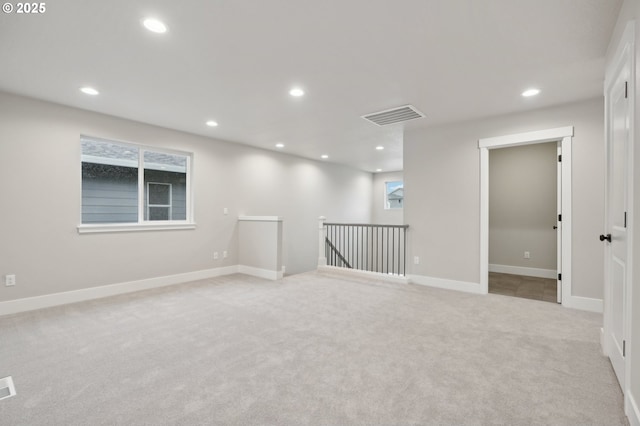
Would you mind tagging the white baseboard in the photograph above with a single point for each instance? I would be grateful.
(259, 272)
(521, 270)
(363, 274)
(583, 303)
(634, 413)
(56, 299)
(467, 287)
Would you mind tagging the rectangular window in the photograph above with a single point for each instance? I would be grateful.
(393, 195)
(131, 184)
(158, 201)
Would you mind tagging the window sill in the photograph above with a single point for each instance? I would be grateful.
(133, 227)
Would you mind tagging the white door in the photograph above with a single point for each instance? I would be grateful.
(558, 226)
(616, 208)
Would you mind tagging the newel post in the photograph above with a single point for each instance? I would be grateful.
(322, 235)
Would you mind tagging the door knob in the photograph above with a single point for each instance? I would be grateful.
(605, 237)
(555, 227)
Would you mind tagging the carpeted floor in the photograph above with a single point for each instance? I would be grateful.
(310, 349)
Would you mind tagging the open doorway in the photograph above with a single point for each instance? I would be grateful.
(523, 206)
(564, 137)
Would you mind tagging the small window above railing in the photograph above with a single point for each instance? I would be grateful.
(393, 195)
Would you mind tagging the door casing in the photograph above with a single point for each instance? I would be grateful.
(564, 136)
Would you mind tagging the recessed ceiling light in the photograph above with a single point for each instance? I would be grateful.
(530, 92)
(379, 148)
(154, 25)
(324, 156)
(279, 145)
(378, 170)
(212, 123)
(296, 91)
(89, 91)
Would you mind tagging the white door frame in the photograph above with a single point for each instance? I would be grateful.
(559, 222)
(565, 136)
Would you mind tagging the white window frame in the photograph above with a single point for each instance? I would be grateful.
(149, 205)
(387, 206)
(142, 224)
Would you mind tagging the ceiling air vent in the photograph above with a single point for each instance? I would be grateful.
(394, 115)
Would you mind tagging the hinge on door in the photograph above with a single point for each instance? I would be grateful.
(560, 158)
(559, 218)
(625, 219)
(626, 89)
(624, 348)
(559, 277)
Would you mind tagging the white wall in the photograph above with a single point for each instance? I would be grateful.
(260, 245)
(380, 215)
(441, 175)
(522, 206)
(40, 198)
(631, 11)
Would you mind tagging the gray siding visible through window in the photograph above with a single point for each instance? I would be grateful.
(109, 194)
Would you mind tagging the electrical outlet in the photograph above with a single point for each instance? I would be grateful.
(527, 255)
(225, 210)
(224, 254)
(215, 255)
(10, 280)
(416, 260)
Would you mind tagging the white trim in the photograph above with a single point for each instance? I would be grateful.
(133, 227)
(322, 234)
(567, 220)
(260, 273)
(56, 299)
(363, 274)
(633, 413)
(261, 218)
(465, 286)
(527, 138)
(558, 226)
(7, 383)
(484, 220)
(522, 270)
(563, 134)
(583, 303)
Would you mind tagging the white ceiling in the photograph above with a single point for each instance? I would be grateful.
(234, 61)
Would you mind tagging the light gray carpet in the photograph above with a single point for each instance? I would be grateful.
(310, 349)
